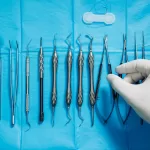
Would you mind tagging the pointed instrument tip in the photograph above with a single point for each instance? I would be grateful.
(105, 41)
(80, 117)
(53, 111)
(68, 115)
(124, 41)
(79, 43)
(92, 114)
(124, 37)
(41, 42)
(27, 120)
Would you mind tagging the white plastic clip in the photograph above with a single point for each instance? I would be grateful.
(89, 18)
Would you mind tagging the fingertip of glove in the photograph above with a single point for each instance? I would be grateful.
(110, 77)
(117, 69)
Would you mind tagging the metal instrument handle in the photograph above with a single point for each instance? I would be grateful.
(99, 79)
(41, 87)
(54, 90)
(27, 83)
(91, 68)
(69, 93)
(80, 67)
(110, 72)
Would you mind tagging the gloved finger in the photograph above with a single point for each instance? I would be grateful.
(140, 65)
(142, 107)
(133, 77)
(126, 90)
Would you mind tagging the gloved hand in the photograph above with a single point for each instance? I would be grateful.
(136, 95)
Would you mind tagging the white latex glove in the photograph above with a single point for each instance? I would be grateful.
(136, 95)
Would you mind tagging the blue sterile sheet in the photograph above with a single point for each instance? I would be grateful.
(23, 20)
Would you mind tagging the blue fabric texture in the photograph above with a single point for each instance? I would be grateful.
(23, 20)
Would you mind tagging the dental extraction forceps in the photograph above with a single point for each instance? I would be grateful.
(27, 85)
(91, 69)
(105, 49)
(54, 90)
(13, 94)
(41, 69)
(69, 68)
(124, 58)
(80, 74)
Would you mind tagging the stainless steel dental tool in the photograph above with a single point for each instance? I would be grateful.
(54, 90)
(27, 85)
(124, 59)
(41, 69)
(13, 89)
(69, 69)
(91, 69)
(80, 74)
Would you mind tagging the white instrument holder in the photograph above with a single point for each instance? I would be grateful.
(108, 18)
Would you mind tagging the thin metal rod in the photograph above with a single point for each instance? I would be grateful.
(124, 48)
(10, 71)
(92, 115)
(113, 105)
(106, 48)
(17, 73)
(27, 120)
(10, 85)
(143, 46)
(99, 75)
(41, 44)
(91, 41)
(81, 118)
(14, 97)
(68, 42)
(135, 44)
(79, 43)
(68, 115)
(27, 84)
(54, 42)
(102, 58)
(28, 47)
(53, 112)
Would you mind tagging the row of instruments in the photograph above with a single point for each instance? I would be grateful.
(93, 94)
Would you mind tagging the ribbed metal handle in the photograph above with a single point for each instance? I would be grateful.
(27, 83)
(80, 67)
(41, 65)
(91, 68)
(54, 92)
(41, 86)
(69, 94)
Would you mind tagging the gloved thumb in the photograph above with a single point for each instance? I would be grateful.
(124, 89)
